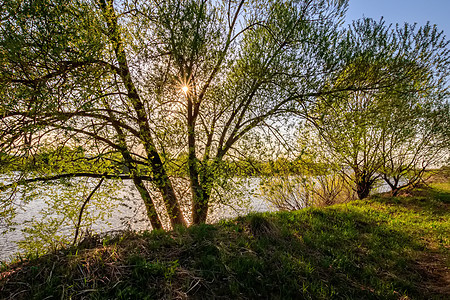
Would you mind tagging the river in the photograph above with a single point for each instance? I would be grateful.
(126, 211)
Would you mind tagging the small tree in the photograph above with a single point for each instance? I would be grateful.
(416, 139)
(364, 129)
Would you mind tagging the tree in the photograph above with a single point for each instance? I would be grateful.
(416, 139)
(390, 129)
(108, 77)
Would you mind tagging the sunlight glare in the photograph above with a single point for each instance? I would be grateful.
(185, 89)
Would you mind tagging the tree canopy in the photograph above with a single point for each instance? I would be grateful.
(396, 128)
(155, 91)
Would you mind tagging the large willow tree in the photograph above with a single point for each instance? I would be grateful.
(152, 90)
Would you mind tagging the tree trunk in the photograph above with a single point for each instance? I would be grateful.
(202, 188)
(164, 185)
(149, 206)
(138, 183)
(363, 186)
(363, 190)
(395, 191)
(200, 203)
(200, 195)
(161, 180)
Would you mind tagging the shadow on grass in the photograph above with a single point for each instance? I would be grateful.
(440, 195)
(311, 254)
(333, 253)
(348, 254)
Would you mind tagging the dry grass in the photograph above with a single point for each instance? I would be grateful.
(381, 248)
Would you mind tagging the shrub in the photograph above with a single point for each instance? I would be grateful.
(294, 192)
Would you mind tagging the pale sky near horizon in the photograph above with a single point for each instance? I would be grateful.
(401, 11)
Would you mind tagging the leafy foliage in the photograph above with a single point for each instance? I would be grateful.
(106, 77)
(390, 130)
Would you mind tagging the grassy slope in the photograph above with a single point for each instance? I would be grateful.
(382, 248)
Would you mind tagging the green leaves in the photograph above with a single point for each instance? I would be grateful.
(375, 116)
(106, 76)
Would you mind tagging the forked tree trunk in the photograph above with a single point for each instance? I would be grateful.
(363, 186)
(363, 189)
(201, 179)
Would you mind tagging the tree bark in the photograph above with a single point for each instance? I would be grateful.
(363, 190)
(394, 192)
(202, 192)
(137, 180)
(161, 179)
(149, 206)
(363, 185)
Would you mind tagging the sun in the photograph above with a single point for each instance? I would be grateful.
(185, 89)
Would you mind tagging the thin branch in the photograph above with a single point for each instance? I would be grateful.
(77, 228)
(71, 175)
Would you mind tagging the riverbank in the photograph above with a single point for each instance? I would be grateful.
(383, 247)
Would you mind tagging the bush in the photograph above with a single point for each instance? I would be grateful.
(294, 192)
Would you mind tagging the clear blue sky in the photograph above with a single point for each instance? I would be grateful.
(401, 11)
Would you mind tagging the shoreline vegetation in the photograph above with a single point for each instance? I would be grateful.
(191, 102)
(382, 247)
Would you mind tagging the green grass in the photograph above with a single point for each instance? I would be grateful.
(381, 248)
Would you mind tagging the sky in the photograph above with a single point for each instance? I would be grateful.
(401, 11)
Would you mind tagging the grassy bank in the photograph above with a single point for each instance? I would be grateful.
(381, 248)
